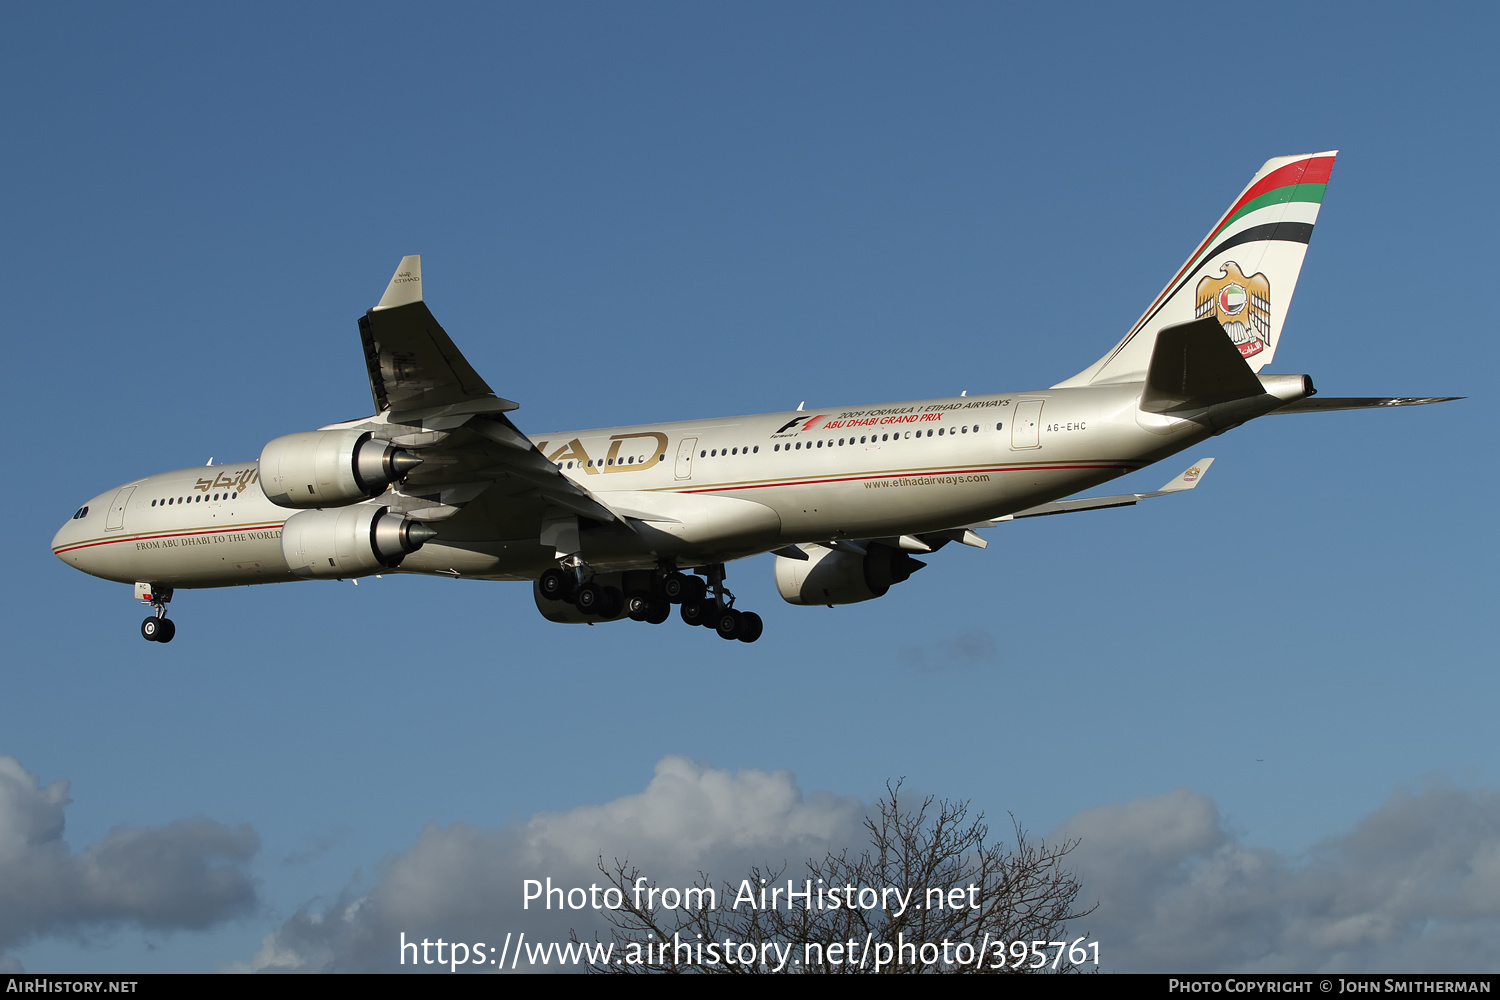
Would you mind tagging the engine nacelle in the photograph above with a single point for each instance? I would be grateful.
(828, 576)
(330, 468)
(351, 541)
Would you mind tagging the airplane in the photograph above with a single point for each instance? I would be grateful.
(626, 522)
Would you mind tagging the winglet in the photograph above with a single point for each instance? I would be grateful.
(1188, 479)
(406, 284)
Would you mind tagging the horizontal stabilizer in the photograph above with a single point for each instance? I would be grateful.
(1195, 365)
(1317, 404)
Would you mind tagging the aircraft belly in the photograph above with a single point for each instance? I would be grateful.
(518, 559)
(693, 525)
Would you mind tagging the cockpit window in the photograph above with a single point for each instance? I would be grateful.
(81, 513)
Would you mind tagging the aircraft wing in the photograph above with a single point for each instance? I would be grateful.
(412, 362)
(1187, 480)
(435, 403)
(929, 541)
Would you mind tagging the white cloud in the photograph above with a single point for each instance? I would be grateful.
(187, 875)
(1415, 887)
(462, 883)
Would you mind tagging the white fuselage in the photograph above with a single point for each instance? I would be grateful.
(694, 492)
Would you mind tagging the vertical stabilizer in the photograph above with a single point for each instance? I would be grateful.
(1242, 274)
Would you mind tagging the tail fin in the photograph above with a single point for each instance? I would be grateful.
(1243, 273)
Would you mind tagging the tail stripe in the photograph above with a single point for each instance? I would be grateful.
(1266, 231)
(1302, 181)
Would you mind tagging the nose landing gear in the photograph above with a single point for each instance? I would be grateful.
(157, 628)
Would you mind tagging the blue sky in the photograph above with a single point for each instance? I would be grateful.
(657, 212)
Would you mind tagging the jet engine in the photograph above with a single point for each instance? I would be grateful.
(330, 468)
(830, 576)
(352, 541)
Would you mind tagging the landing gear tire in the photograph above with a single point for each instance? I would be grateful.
(589, 599)
(638, 605)
(612, 604)
(156, 629)
(698, 612)
(601, 602)
(729, 624)
(556, 585)
(660, 612)
(679, 588)
(750, 627)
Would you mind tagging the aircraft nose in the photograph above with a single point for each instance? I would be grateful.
(73, 531)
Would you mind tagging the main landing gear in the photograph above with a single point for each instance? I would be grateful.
(648, 597)
(157, 628)
(709, 603)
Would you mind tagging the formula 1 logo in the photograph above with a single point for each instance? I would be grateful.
(1242, 306)
(808, 424)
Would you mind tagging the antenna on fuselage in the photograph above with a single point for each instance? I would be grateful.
(801, 405)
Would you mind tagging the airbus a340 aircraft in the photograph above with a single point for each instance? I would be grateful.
(627, 521)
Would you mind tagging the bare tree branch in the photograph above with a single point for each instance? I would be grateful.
(930, 893)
